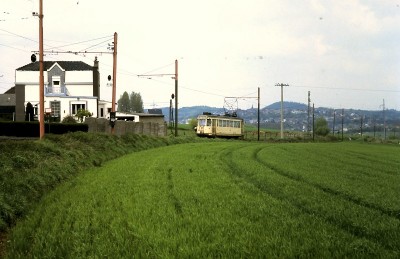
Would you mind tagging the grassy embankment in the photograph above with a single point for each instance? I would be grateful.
(225, 199)
(29, 169)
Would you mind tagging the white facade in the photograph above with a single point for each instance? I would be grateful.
(68, 88)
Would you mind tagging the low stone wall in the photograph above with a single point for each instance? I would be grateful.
(123, 127)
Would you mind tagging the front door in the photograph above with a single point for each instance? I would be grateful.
(55, 111)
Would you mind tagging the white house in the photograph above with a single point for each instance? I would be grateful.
(68, 87)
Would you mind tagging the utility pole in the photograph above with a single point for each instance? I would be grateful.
(176, 97)
(334, 120)
(41, 78)
(313, 122)
(114, 87)
(374, 125)
(342, 122)
(308, 113)
(384, 120)
(171, 118)
(361, 125)
(258, 116)
(281, 85)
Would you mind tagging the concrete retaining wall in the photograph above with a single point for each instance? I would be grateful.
(123, 127)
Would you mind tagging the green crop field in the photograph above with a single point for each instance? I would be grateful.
(225, 199)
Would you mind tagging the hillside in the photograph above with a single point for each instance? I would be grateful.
(286, 105)
(297, 117)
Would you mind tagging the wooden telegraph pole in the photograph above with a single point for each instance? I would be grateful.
(114, 86)
(313, 122)
(258, 115)
(176, 97)
(41, 79)
(282, 85)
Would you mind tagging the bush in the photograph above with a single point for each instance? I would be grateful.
(69, 119)
(322, 127)
(193, 123)
(31, 129)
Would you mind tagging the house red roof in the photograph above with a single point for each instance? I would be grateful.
(66, 65)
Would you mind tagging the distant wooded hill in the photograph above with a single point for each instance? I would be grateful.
(296, 115)
(287, 105)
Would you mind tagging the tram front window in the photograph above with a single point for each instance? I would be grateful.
(208, 122)
(202, 122)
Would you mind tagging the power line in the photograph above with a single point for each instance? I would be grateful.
(95, 45)
(203, 92)
(57, 47)
(13, 47)
(351, 89)
(156, 69)
(76, 43)
(19, 35)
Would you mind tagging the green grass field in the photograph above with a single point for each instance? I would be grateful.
(226, 199)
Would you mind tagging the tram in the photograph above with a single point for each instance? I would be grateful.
(224, 126)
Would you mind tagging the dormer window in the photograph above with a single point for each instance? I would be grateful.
(56, 81)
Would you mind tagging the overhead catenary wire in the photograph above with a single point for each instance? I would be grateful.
(20, 36)
(345, 88)
(109, 37)
(11, 47)
(156, 69)
(95, 45)
(49, 48)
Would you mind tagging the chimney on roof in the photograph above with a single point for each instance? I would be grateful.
(96, 79)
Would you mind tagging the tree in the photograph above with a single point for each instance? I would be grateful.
(124, 104)
(136, 102)
(193, 122)
(321, 127)
(29, 113)
(82, 114)
(130, 103)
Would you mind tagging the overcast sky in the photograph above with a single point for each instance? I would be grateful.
(346, 52)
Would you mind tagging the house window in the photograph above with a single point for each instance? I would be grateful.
(76, 106)
(55, 87)
(101, 112)
(56, 81)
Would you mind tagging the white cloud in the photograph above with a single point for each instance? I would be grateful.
(355, 16)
